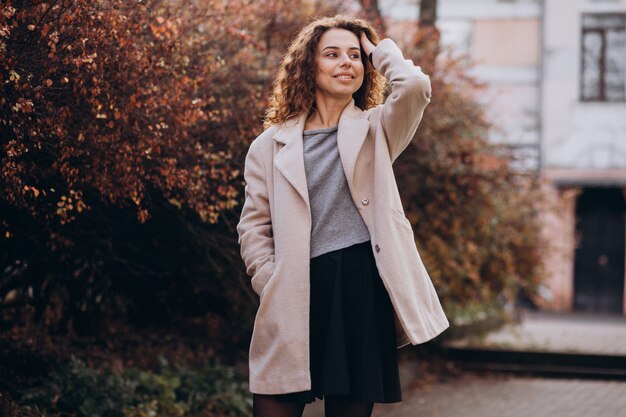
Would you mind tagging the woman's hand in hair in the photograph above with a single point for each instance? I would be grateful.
(368, 47)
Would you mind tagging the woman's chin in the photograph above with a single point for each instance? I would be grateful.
(340, 94)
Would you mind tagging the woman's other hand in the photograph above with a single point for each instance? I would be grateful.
(368, 47)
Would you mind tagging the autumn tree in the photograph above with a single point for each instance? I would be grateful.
(474, 217)
(123, 128)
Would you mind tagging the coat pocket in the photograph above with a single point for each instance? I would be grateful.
(261, 277)
(404, 225)
(400, 215)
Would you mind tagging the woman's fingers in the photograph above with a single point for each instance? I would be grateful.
(368, 46)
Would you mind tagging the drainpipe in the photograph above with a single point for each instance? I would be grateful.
(540, 76)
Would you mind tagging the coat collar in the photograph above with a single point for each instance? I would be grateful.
(289, 160)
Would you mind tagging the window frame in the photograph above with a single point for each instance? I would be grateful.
(601, 97)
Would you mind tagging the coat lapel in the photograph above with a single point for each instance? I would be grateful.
(351, 135)
(289, 160)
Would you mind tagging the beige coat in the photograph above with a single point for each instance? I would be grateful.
(275, 226)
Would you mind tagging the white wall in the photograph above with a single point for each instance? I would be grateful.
(533, 70)
(576, 135)
(502, 41)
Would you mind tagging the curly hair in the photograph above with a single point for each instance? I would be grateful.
(295, 85)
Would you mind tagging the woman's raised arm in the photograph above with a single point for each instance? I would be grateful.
(402, 111)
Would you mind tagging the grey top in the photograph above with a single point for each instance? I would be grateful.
(336, 222)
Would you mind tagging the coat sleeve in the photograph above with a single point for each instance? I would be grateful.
(402, 111)
(255, 226)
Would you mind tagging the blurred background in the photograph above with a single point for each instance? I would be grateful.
(123, 130)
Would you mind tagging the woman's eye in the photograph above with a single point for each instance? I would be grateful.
(355, 56)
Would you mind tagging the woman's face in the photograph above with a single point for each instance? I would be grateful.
(339, 66)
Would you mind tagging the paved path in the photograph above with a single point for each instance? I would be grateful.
(472, 396)
(572, 333)
(504, 396)
(442, 394)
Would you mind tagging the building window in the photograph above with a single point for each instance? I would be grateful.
(603, 66)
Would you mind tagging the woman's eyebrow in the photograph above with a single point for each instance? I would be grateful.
(336, 47)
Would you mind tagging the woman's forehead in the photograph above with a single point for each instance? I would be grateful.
(338, 38)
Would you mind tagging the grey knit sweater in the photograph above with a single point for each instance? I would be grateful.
(336, 222)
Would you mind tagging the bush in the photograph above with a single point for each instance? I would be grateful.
(123, 130)
(475, 217)
(170, 391)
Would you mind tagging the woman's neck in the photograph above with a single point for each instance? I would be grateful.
(327, 112)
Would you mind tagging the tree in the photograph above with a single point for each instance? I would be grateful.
(123, 130)
(475, 219)
(428, 13)
(372, 14)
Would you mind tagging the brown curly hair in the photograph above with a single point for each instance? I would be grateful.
(294, 87)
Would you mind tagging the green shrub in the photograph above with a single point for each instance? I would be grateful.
(171, 391)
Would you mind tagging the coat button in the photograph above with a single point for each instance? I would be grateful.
(377, 248)
(365, 201)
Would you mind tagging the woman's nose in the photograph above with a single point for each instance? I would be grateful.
(345, 60)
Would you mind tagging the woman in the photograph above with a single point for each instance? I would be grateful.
(323, 232)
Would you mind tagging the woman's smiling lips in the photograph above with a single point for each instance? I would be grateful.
(344, 77)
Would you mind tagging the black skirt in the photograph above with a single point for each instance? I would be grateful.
(353, 351)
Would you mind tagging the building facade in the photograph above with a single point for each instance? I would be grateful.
(557, 96)
(583, 150)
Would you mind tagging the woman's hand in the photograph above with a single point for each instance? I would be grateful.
(368, 47)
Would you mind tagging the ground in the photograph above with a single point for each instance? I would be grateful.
(433, 387)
